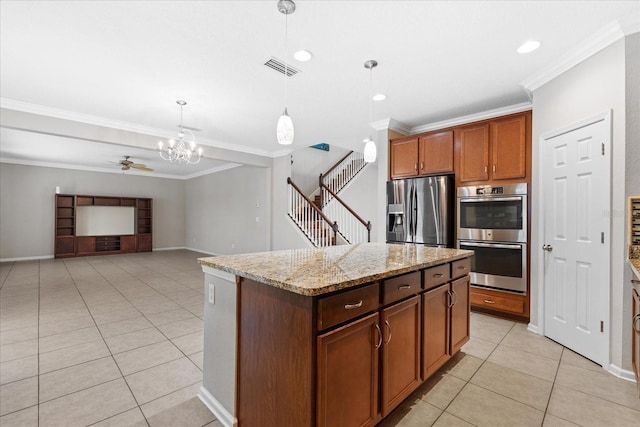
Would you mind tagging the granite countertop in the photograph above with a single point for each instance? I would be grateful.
(635, 266)
(313, 272)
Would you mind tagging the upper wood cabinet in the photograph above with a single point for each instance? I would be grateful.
(474, 152)
(404, 158)
(493, 150)
(436, 153)
(508, 148)
(424, 155)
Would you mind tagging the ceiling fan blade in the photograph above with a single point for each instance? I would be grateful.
(142, 168)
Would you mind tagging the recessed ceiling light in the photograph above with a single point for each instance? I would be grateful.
(379, 97)
(303, 55)
(529, 46)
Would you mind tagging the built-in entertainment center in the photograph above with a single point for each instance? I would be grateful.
(101, 225)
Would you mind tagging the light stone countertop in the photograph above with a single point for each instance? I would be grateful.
(635, 266)
(314, 272)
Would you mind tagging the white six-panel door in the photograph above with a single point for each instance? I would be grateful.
(576, 194)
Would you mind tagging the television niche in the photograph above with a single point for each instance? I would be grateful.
(101, 225)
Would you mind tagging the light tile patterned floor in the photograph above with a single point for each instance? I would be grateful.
(117, 341)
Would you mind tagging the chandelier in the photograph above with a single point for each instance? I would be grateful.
(184, 149)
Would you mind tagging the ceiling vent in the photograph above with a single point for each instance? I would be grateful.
(276, 64)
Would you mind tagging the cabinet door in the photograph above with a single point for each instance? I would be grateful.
(436, 153)
(65, 245)
(508, 148)
(435, 329)
(85, 245)
(143, 243)
(348, 374)
(400, 352)
(474, 153)
(459, 313)
(403, 158)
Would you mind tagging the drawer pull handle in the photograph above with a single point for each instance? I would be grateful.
(438, 275)
(462, 267)
(450, 295)
(351, 306)
(488, 301)
(404, 287)
(637, 282)
(636, 323)
(379, 336)
(386, 322)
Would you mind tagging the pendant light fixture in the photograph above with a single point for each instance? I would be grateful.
(370, 145)
(284, 130)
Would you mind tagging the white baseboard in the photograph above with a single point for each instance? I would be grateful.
(176, 248)
(201, 251)
(534, 328)
(621, 373)
(26, 258)
(216, 408)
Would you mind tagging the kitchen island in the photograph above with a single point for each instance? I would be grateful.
(337, 336)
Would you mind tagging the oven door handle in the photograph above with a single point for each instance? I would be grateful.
(492, 245)
(492, 199)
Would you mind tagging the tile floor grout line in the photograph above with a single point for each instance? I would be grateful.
(7, 276)
(38, 346)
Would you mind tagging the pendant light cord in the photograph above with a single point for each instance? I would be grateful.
(370, 98)
(286, 56)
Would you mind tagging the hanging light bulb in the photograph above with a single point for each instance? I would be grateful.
(370, 151)
(284, 129)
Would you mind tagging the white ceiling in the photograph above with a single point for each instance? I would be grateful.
(126, 63)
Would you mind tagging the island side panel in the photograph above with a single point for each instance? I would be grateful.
(218, 391)
(276, 348)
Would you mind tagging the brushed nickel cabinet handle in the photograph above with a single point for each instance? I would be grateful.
(450, 304)
(488, 301)
(386, 322)
(455, 295)
(416, 167)
(421, 165)
(636, 323)
(485, 169)
(438, 275)
(379, 336)
(404, 287)
(462, 267)
(351, 306)
(494, 168)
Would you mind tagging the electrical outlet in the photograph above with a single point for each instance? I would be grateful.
(257, 219)
(233, 246)
(212, 294)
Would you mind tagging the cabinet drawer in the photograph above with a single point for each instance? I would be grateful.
(497, 303)
(400, 287)
(347, 305)
(460, 268)
(437, 275)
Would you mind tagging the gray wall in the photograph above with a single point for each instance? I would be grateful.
(362, 196)
(221, 211)
(309, 163)
(594, 86)
(27, 205)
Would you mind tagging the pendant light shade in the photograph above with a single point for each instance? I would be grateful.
(370, 151)
(284, 129)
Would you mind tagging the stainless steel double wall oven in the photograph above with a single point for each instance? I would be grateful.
(492, 221)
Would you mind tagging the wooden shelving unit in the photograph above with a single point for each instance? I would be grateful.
(67, 244)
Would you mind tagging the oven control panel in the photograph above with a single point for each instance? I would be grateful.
(480, 191)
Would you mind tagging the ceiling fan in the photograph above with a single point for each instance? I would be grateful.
(128, 164)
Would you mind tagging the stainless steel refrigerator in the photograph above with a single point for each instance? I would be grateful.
(420, 210)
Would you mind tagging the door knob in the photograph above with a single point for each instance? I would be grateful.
(547, 248)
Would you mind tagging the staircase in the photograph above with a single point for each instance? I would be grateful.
(327, 220)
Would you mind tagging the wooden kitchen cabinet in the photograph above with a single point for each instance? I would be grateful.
(348, 374)
(435, 329)
(460, 309)
(493, 150)
(427, 155)
(400, 359)
(508, 148)
(474, 152)
(403, 157)
(435, 153)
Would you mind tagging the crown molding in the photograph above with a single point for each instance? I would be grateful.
(489, 114)
(26, 107)
(603, 38)
(118, 171)
(390, 123)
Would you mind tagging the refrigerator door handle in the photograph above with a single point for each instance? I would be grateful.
(415, 211)
(410, 211)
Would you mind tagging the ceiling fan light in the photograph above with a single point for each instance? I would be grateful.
(284, 129)
(370, 151)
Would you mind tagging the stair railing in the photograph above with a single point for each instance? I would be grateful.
(353, 228)
(310, 219)
(340, 174)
